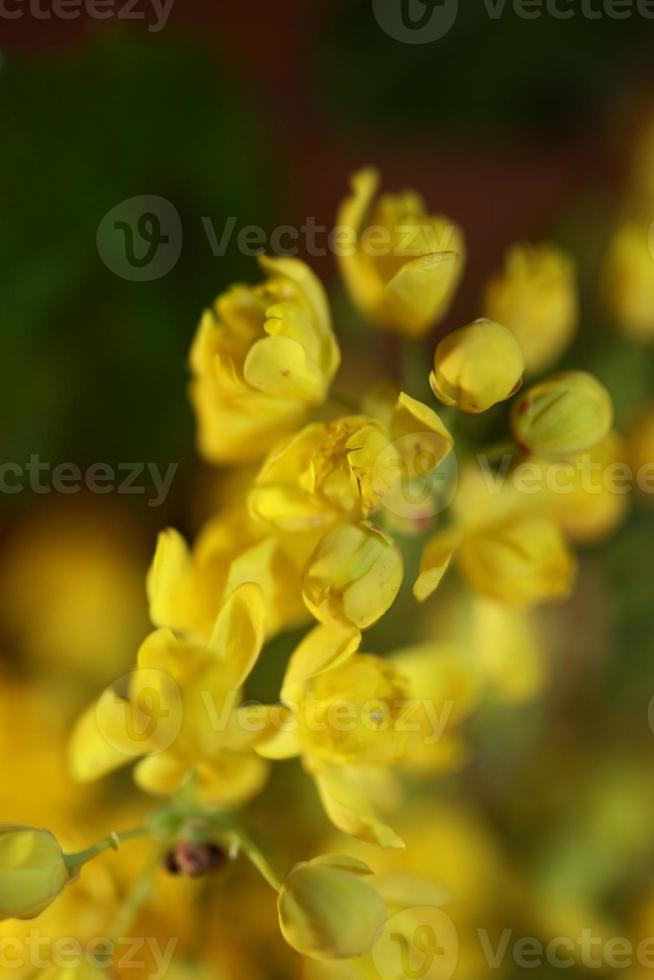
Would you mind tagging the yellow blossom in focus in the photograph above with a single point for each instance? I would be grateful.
(477, 366)
(401, 265)
(186, 588)
(563, 415)
(32, 871)
(343, 714)
(353, 576)
(535, 296)
(262, 357)
(629, 277)
(181, 712)
(344, 470)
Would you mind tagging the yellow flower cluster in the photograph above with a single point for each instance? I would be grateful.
(309, 541)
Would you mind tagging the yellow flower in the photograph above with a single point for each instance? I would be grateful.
(32, 871)
(353, 576)
(262, 357)
(343, 470)
(508, 545)
(444, 684)
(629, 275)
(477, 366)
(400, 265)
(326, 909)
(535, 296)
(589, 499)
(563, 415)
(186, 588)
(181, 712)
(343, 714)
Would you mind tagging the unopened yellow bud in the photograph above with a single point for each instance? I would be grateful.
(327, 911)
(400, 264)
(353, 576)
(535, 296)
(562, 415)
(32, 871)
(477, 366)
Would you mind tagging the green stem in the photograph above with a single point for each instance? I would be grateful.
(112, 841)
(258, 859)
(139, 893)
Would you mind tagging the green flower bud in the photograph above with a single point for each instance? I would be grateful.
(566, 413)
(32, 871)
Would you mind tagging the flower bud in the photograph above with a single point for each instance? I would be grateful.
(401, 265)
(32, 871)
(327, 911)
(353, 576)
(564, 414)
(535, 296)
(477, 366)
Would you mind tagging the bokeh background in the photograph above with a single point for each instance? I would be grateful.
(518, 129)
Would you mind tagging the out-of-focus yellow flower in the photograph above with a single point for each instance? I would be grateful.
(565, 414)
(182, 712)
(535, 296)
(70, 592)
(343, 713)
(327, 910)
(510, 654)
(33, 871)
(507, 545)
(640, 454)
(477, 366)
(629, 277)
(343, 470)
(590, 494)
(186, 588)
(445, 688)
(261, 358)
(400, 265)
(353, 576)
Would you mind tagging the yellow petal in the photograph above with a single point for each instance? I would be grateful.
(239, 632)
(350, 808)
(435, 562)
(324, 648)
(280, 367)
(421, 291)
